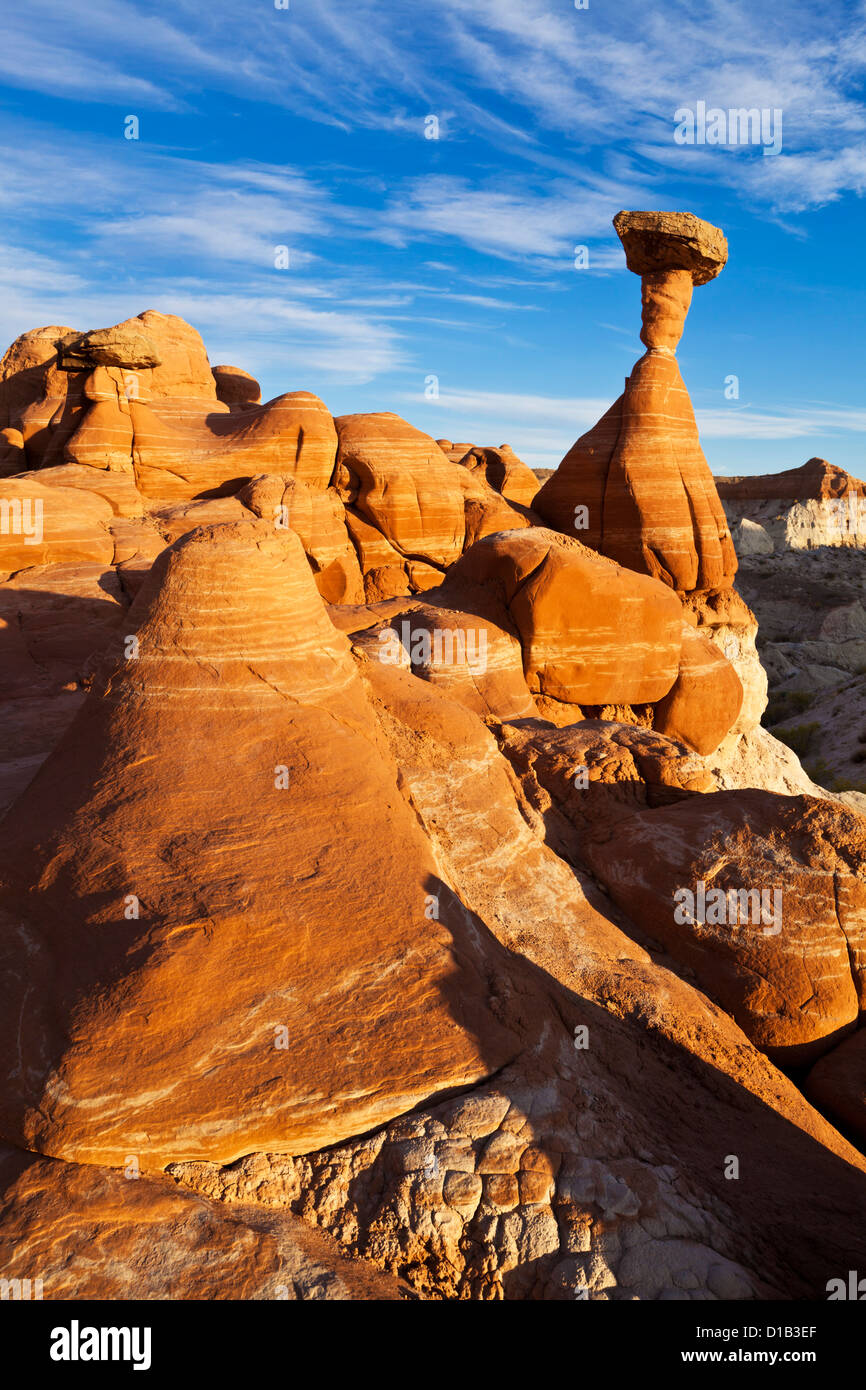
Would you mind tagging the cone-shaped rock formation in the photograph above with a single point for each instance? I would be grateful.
(223, 929)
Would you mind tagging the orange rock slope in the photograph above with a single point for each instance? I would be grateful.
(382, 853)
(202, 881)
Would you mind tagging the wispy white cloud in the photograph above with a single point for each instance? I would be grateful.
(42, 64)
(550, 119)
(542, 428)
(275, 337)
(574, 411)
(217, 227)
(611, 75)
(794, 423)
(509, 217)
(89, 50)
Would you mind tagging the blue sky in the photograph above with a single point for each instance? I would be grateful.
(411, 257)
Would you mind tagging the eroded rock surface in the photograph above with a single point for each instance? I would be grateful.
(764, 897)
(174, 902)
(70, 1231)
(637, 486)
(348, 810)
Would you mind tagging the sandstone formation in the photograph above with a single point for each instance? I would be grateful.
(156, 886)
(727, 619)
(399, 895)
(478, 662)
(39, 403)
(586, 778)
(54, 618)
(561, 1177)
(799, 509)
(663, 242)
(317, 518)
(397, 479)
(44, 526)
(704, 702)
(126, 345)
(235, 387)
(637, 486)
(774, 918)
(141, 398)
(135, 414)
(590, 631)
(500, 469)
(79, 1232)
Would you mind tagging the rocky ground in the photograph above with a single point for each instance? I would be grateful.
(811, 608)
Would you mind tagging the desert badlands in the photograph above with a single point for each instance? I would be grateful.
(406, 890)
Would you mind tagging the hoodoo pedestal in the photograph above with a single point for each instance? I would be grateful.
(639, 477)
(640, 472)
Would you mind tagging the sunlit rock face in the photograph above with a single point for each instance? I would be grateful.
(802, 508)
(388, 854)
(637, 484)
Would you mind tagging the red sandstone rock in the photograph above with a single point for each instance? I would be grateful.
(649, 496)
(837, 1084)
(591, 632)
(81, 1232)
(46, 525)
(319, 519)
(637, 486)
(170, 945)
(603, 1209)
(104, 434)
(794, 978)
(236, 388)
(312, 913)
(398, 480)
(182, 374)
(474, 661)
(485, 511)
(484, 831)
(115, 485)
(502, 470)
(63, 614)
(385, 571)
(178, 459)
(723, 616)
(142, 397)
(660, 493)
(39, 402)
(664, 241)
(12, 456)
(706, 699)
(175, 519)
(817, 479)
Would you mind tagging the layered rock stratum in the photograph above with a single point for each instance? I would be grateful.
(801, 508)
(801, 540)
(400, 896)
